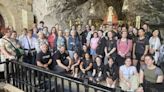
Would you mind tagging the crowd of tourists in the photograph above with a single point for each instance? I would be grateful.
(118, 55)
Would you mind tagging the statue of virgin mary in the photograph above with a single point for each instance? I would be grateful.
(111, 17)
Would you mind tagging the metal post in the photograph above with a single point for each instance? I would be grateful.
(7, 72)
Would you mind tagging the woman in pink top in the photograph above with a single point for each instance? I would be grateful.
(94, 44)
(51, 38)
(124, 48)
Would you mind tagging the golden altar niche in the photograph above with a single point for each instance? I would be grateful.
(95, 22)
(77, 21)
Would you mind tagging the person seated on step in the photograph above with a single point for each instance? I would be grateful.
(111, 73)
(129, 79)
(98, 68)
(43, 58)
(150, 74)
(86, 67)
(63, 61)
(75, 65)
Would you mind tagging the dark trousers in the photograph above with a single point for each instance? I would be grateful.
(138, 58)
(86, 75)
(30, 59)
(149, 87)
(120, 60)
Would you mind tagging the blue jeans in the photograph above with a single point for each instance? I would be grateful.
(71, 53)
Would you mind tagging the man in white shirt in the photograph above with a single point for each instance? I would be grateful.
(29, 45)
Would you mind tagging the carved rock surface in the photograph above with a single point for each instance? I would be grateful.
(151, 11)
(61, 11)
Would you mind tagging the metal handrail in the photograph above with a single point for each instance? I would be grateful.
(68, 78)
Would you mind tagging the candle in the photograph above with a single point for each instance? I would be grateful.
(70, 23)
(90, 22)
(138, 21)
(78, 20)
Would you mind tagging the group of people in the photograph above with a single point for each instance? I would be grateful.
(119, 55)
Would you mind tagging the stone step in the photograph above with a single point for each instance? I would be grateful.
(4, 87)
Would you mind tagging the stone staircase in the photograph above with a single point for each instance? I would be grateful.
(4, 87)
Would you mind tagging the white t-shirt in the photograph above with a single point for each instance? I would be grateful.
(128, 71)
(88, 38)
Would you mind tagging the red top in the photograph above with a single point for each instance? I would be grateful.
(124, 47)
(51, 40)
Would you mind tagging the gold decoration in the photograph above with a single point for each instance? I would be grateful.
(90, 22)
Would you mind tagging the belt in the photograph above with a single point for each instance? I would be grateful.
(30, 49)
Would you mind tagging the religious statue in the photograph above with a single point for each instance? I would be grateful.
(91, 13)
(92, 10)
(110, 14)
(111, 17)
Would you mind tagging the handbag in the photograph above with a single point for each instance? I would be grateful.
(19, 51)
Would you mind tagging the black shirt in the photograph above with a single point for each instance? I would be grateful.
(148, 35)
(111, 71)
(110, 44)
(43, 57)
(140, 45)
(62, 57)
(76, 60)
(130, 36)
(77, 35)
(86, 63)
(83, 37)
(82, 53)
(101, 46)
(134, 38)
(98, 68)
(116, 35)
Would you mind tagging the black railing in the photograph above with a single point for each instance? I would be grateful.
(30, 78)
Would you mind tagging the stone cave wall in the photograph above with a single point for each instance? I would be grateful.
(61, 11)
(151, 12)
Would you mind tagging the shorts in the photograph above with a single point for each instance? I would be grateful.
(92, 52)
(120, 60)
